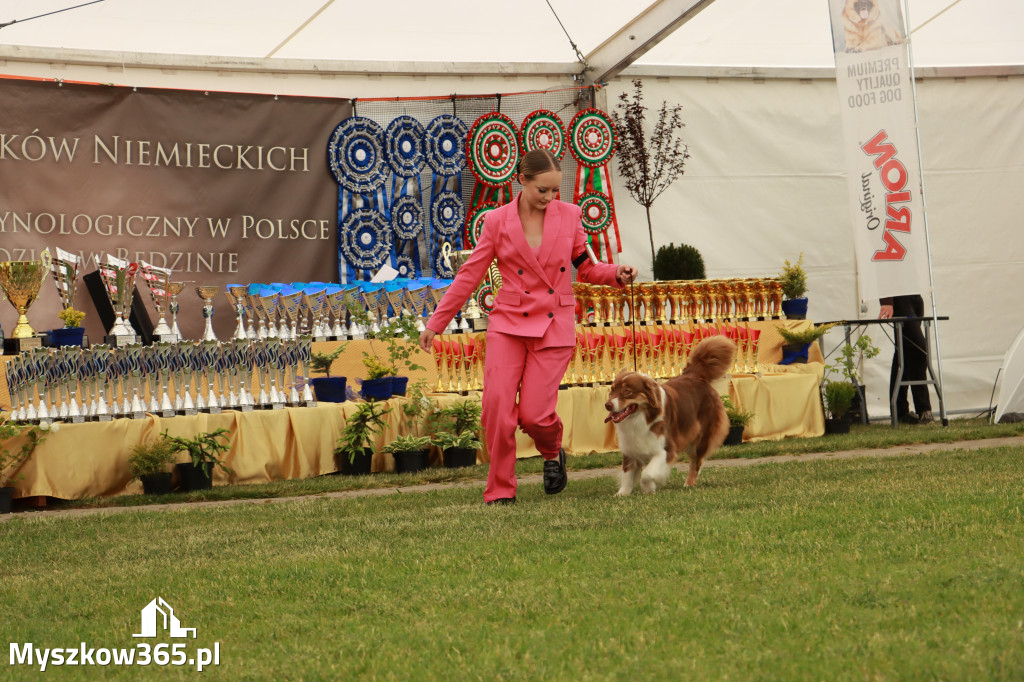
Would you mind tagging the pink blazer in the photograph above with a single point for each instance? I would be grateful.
(536, 297)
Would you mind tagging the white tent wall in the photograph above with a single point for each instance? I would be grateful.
(765, 181)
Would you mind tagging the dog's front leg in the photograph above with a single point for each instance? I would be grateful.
(630, 475)
(656, 473)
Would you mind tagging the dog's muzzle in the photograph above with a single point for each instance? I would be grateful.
(616, 417)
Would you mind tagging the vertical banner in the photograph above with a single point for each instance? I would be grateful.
(876, 100)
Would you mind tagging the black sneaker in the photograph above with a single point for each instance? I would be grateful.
(502, 501)
(555, 477)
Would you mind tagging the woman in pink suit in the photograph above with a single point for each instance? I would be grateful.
(532, 330)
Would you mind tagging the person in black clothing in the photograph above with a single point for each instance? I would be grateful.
(915, 358)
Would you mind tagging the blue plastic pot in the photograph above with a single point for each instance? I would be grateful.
(795, 308)
(67, 336)
(794, 354)
(398, 385)
(376, 389)
(329, 389)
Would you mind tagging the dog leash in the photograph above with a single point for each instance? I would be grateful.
(632, 322)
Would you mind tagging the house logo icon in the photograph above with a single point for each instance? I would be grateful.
(158, 611)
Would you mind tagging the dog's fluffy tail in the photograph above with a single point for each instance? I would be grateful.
(711, 358)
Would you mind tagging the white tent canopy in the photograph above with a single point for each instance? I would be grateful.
(765, 180)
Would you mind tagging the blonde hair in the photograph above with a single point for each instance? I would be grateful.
(538, 161)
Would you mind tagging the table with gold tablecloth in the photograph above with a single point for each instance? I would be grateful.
(91, 459)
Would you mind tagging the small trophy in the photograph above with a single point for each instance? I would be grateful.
(65, 266)
(21, 281)
(417, 298)
(335, 304)
(207, 293)
(353, 301)
(119, 281)
(289, 306)
(371, 299)
(174, 288)
(238, 296)
(268, 300)
(316, 301)
(158, 280)
(437, 292)
(165, 352)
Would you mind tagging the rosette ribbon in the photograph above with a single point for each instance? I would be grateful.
(592, 143)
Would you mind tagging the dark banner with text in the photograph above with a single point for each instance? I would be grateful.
(220, 188)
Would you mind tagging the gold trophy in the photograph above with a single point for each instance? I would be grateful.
(174, 288)
(20, 281)
(238, 297)
(207, 293)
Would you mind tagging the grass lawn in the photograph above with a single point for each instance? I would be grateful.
(860, 437)
(894, 569)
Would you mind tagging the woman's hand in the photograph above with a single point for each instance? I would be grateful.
(885, 313)
(427, 340)
(626, 274)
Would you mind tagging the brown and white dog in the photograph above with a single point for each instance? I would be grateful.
(865, 28)
(655, 422)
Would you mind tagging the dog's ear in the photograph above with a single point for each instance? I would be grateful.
(652, 392)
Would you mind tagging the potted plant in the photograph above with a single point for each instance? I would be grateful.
(458, 432)
(353, 452)
(377, 384)
(206, 450)
(846, 365)
(458, 449)
(411, 453)
(149, 462)
(794, 286)
(12, 460)
(838, 398)
(794, 350)
(738, 420)
(327, 388)
(401, 340)
(72, 333)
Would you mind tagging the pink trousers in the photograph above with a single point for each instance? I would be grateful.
(514, 365)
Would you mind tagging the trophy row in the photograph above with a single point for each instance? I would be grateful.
(73, 384)
(600, 352)
(700, 300)
(263, 311)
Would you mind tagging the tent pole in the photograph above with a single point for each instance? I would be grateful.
(924, 206)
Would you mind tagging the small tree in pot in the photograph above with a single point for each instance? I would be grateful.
(459, 432)
(794, 286)
(838, 398)
(738, 420)
(206, 450)
(150, 463)
(327, 388)
(353, 452)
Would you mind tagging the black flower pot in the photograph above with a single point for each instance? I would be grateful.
(6, 499)
(735, 436)
(156, 484)
(190, 477)
(837, 426)
(411, 461)
(455, 458)
(329, 389)
(357, 466)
